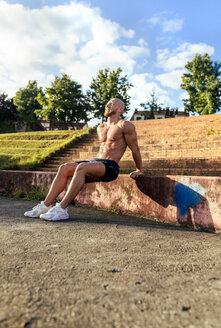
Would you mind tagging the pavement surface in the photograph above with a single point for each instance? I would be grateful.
(99, 269)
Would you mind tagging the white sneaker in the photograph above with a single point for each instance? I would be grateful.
(37, 210)
(56, 213)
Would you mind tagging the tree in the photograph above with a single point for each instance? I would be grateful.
(106, 85)
(7, 108)
(63, 101)
(26, 101)
(152, 105)
(203, 85)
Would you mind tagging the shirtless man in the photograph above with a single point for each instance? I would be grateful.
(114, 136)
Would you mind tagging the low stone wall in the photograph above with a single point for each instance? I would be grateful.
(185, 200)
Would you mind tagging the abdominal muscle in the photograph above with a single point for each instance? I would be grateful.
(112, 150)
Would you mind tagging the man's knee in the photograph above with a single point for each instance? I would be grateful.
(81, 167)
(67, 168)
(62, 169)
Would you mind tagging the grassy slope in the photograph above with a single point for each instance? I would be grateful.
(28, 149)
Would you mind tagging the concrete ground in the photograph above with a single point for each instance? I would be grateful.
(102, 270)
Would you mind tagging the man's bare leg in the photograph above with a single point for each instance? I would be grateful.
(60, 181)
(95, 170)
(92, 170)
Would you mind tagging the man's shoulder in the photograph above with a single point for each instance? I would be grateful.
(102, 125)
(127, 125)
(122, 124)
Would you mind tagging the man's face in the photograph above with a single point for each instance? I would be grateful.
(111, 108)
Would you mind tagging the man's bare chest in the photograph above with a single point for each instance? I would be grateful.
(110, 134)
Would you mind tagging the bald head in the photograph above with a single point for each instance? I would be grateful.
(115, 105)
(119, 103)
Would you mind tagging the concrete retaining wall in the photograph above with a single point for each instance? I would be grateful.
(186, 200)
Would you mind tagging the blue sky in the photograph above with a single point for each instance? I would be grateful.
(151, 40)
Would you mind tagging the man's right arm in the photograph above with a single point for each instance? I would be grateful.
(131, 140)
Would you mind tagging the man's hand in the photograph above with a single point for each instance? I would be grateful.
(134, 175)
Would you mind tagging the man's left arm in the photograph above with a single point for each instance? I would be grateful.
(131, 140)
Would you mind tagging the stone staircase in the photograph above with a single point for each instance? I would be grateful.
(70, 153)
(188, 146)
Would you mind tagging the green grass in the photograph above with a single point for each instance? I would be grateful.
(26, 150)
(210, 132)
(35, 193)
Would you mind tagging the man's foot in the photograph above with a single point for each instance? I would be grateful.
(56, 213)
(37, 210)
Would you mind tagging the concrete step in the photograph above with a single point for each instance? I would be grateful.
(182, 171)
(146, 140)
(154, 147)
(80, 149)
(175, 146)
(157, 170)
(206, 163)
(187, 163)
(170, 133)
(59, 161)
(85, 141)
(86, 145)
(178, 154)
(175, 134)
(204, 119)
(213, 154)
(46, 169)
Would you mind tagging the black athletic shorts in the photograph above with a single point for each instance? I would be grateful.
(111, 173)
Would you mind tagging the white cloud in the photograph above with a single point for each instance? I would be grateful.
(144, 85)
(154, 20)
(142, 42)
(136, 51)
(173, 62)
(167, 25)
(171, 79)
(172, 25)
(184, 95)
(178, 58)
(70, 38)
